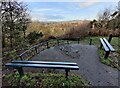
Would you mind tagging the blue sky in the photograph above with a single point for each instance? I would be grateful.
(66, 11)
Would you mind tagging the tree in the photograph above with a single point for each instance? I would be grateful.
(14, 19)
(115, 22)
(32, 36)
(104, 17)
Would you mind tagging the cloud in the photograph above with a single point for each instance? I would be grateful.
(46, 17)
(42, 9)
(45, 9)
(48, 14)
(53, 17)
(88, 3)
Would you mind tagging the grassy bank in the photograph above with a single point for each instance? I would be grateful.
(41, 80)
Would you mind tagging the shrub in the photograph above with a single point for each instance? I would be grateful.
(12, 55)
(33, 36)
(78, 31)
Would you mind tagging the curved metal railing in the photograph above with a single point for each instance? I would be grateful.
(45, 45)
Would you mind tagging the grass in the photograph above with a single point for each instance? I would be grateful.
(41, 80)
(103, 60)
(111, 61)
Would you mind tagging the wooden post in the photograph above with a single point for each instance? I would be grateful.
(110, 38)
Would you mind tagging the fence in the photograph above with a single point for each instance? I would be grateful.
(45, 45)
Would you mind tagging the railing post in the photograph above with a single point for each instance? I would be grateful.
(58, 42)
(110, 38)
(67, 41)
(90, 41)
(36, 50)
(78, 40)
(20, 57)
(47, 44)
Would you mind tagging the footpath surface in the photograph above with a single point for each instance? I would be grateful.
(87, 58)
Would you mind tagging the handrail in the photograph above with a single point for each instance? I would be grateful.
(46, 43)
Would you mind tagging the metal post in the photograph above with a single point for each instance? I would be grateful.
(78, 40)
(67, 41)
(107, 54)
(20, 57)
(90, 41)
(20, 70)
(67, 70)
(47, 44)
(100, 45)
(58, 42)
(36, 49)
(110, 38)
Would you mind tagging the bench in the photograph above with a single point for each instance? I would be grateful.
(42, 64)
(107, 46)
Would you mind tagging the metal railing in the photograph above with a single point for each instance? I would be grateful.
(45, 45)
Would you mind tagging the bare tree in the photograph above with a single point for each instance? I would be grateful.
(104, 17)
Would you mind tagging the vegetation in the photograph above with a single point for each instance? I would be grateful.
(33, 36)
(14, 18)
(45, 80)
(20, 33)
(110, 61)
(107, 23)
(113, 57)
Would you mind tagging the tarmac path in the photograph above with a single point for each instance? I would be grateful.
(87, 58)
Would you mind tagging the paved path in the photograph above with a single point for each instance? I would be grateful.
(87, 57)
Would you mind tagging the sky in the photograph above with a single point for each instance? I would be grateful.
(67, 11)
